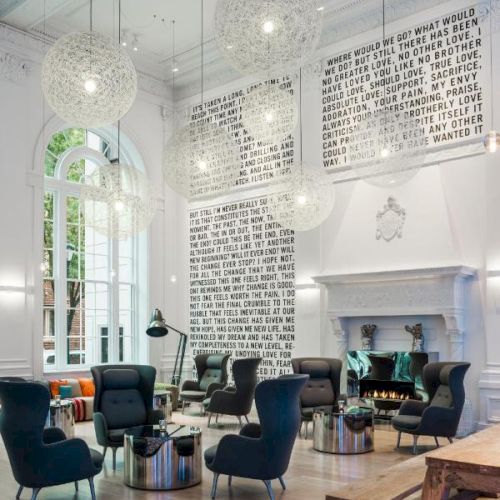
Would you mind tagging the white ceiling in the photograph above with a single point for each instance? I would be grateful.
(150, 22)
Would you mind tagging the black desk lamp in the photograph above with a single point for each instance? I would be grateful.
(158, 328)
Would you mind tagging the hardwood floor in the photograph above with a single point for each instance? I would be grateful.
(310, 476)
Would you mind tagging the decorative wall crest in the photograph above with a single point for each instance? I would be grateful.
(13, 68)
(390, 220)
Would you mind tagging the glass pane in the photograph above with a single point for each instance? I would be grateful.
(48, 263)
(73, 322)
(50, 164)
(48, 213)
(125, 297)
(48, 293)
(76, 351)
(73, 210)
(75, 294)
(74, 137)
(72, 238)
(48, 323)
(76, 171)
(48, 234)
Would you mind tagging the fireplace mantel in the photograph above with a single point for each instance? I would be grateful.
(405, 292)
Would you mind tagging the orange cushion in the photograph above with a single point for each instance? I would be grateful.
(54, 386)
(87, 386)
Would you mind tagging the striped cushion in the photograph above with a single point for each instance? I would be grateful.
(79, 409)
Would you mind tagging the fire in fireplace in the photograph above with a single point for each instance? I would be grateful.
(393, 390)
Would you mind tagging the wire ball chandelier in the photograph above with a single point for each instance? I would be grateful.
(88, 79)
(267, 36)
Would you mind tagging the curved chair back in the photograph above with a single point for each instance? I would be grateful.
(444, 382)
(279, 414)
(25, 406)
(211, 368)
(245, 380)
(382, 367)
(124, 393)
(323, 385)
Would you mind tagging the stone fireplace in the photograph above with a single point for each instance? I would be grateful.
(429, 292)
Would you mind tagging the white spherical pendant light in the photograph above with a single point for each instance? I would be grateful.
(267, 36)
(88, 79)
(387, 148)
(117, 201)
(303, 199)
(269, 113)
(201, 160)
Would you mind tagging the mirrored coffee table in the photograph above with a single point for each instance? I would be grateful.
(61, 415)
(162, 460)
(344, 433)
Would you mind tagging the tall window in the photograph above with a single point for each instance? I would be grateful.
(89, 280)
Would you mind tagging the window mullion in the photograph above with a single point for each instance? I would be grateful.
(115, 301)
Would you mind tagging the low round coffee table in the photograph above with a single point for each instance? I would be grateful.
(162, 460)
(345, 433)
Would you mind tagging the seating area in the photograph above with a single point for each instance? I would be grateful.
(249, 249)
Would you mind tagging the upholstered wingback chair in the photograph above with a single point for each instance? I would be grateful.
(236, 400)
(123, 399)
(322, 390)
(262, 451)
(41, 457)
(440, 416)
(212, 375)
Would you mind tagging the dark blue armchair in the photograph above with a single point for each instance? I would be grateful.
(41, 458)
(262, 451)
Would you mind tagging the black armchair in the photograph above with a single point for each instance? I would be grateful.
(322, 390)
(41, 458)
(236, 400)
(123, 398)
(262, 451)
(444, 382)
(212, 375)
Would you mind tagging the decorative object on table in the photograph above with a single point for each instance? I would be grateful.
(491, 140)
(162, 458)
(61, 415)
(417, 333)
(322, 390)
(304, 197)
(263, 457)
(347, 432)
(263, 37)
(201, 159)
(367, 333)
(212, 375)
(269, 113)
(34, 463)
(123, 398)
(158, 328)
(440, 416)
(237, 400)
(88, 79)
(390, 220)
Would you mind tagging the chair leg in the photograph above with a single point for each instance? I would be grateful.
(450, 440)
(246, 418)
(114, 457)
(214, 484)
(92, 488)
(19, 491)
(229, 480)
(76, 485)
(269, 489)
(216, 418)
(183, 406)
(398, 443)
(209, 418)
(437, 442)
(415, 439)
(282, 482)
(104, 452)
(202, 409)
(35, 493)
(239, 420)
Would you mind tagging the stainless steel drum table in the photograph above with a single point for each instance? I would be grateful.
(61, 415)
(162, 459)
(346, 433)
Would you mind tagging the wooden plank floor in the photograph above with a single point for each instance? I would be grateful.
(310, 476)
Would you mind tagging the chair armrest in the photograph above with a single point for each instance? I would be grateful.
(222, 401)
(439, 421)
(230, 388)
(190, 385)
(214, 386)
(412, 407)
(101, 428)
(53, 435)
(250, 430)
(154, 417)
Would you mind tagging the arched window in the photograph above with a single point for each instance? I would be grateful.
(89, 281)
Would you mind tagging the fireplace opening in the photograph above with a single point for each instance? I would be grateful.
(386, 390)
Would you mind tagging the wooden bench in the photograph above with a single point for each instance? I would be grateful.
(397, 482)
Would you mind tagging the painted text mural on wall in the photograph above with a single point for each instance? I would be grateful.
(432, 72)
(242, 284)
(259, 162)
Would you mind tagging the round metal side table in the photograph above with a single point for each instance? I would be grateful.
(162, 460)
(346, 433)
(61, 415)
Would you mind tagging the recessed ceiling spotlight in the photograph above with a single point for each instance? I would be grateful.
(175, 69)
(321, 8)
(229, 47)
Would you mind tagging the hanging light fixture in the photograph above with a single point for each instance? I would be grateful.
(89, 80)
(117, 199)
(200, 159)
(244, 31)
(304, 197)
(387, 147)
(491, 140)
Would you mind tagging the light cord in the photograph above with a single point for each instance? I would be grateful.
(492, 93)
(119, 48)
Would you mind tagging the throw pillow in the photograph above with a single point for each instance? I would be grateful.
(88, 387)
(54, 386)
(65, 391)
